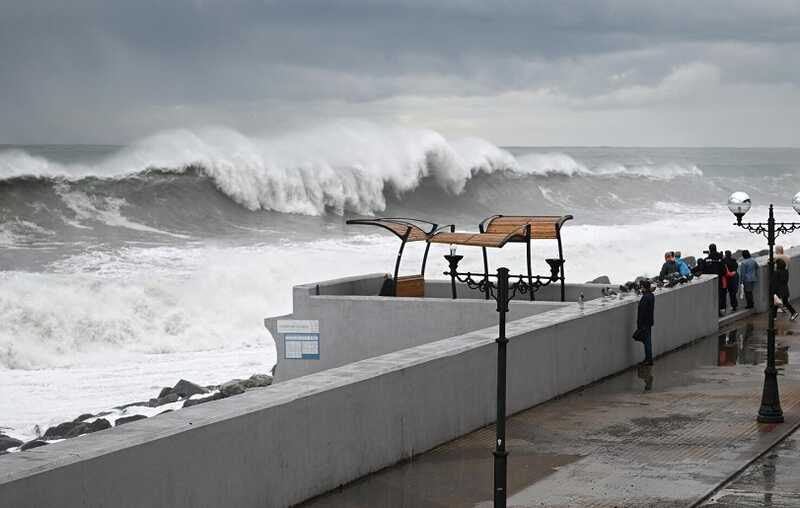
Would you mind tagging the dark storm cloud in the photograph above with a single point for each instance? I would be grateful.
(121, 69)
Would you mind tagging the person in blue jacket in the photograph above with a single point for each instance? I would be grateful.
(645, 320)
(748, 276)
(683, 268)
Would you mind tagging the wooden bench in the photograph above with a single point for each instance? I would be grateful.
(412, 286)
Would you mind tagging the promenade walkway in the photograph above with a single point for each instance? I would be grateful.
(668, 435)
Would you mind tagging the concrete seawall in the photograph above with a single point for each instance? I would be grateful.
(357, 326)
(283, 444)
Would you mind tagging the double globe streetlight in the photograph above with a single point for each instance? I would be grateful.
(739, 204)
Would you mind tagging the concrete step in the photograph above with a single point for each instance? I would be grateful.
(735, 316)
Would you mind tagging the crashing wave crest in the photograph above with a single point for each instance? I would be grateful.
(346, 166)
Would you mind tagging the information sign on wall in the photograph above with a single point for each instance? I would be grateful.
(300, 338)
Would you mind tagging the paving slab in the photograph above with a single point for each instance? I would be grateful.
(667, 435)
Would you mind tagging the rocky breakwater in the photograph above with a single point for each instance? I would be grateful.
(183, 394)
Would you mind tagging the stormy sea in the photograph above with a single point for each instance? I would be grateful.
(125, 268)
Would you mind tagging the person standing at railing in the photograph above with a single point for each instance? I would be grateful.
(713, 265)
(645, 321)
(748, 277)
(732, 273)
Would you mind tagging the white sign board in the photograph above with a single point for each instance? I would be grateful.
(298, 326)
(301, 346)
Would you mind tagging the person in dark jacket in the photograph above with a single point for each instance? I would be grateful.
(712, 265)
(780, 286)
(669, 267)
(733, 281)
(645, 320)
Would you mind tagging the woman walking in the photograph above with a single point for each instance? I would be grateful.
(780, 286)
(732, 273)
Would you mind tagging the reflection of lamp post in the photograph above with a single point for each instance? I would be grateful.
(739, 204)
(502, 292)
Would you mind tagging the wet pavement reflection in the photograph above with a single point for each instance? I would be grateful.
(743, 346)
(651, 434)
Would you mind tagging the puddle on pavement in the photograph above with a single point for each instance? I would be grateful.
(744, 346)
(743, 343)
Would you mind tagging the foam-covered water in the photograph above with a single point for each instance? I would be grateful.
(123, 269)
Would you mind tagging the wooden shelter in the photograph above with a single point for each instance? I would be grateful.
(497, 230)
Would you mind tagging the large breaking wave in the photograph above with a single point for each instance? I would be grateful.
(343, 167)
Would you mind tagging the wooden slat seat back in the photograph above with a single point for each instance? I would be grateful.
(396, 226)
(542, 227)
(473, 239)
(412, 286)
(415, 234)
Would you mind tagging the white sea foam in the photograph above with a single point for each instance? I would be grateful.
(561, 164)
(344, 166)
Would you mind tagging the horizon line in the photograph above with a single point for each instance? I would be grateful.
(5, 144)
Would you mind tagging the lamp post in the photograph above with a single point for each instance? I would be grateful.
(452, 260)
(739, 204)
(502, 292)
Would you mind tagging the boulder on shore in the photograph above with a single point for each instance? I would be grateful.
(36, 443)
(603, 279)
(61, 430)
(167, 399)
(186, 388)
(257, 381)
(165, 391)
(232, 387)
(128, 419)
(7, 442)
(88, 428)
(84, 416)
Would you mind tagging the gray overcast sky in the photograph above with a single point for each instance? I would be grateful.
(565, 72)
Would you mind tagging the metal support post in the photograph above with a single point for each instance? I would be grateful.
(500, 453)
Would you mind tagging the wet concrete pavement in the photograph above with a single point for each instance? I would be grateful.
(667, 435)
(773, 480)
